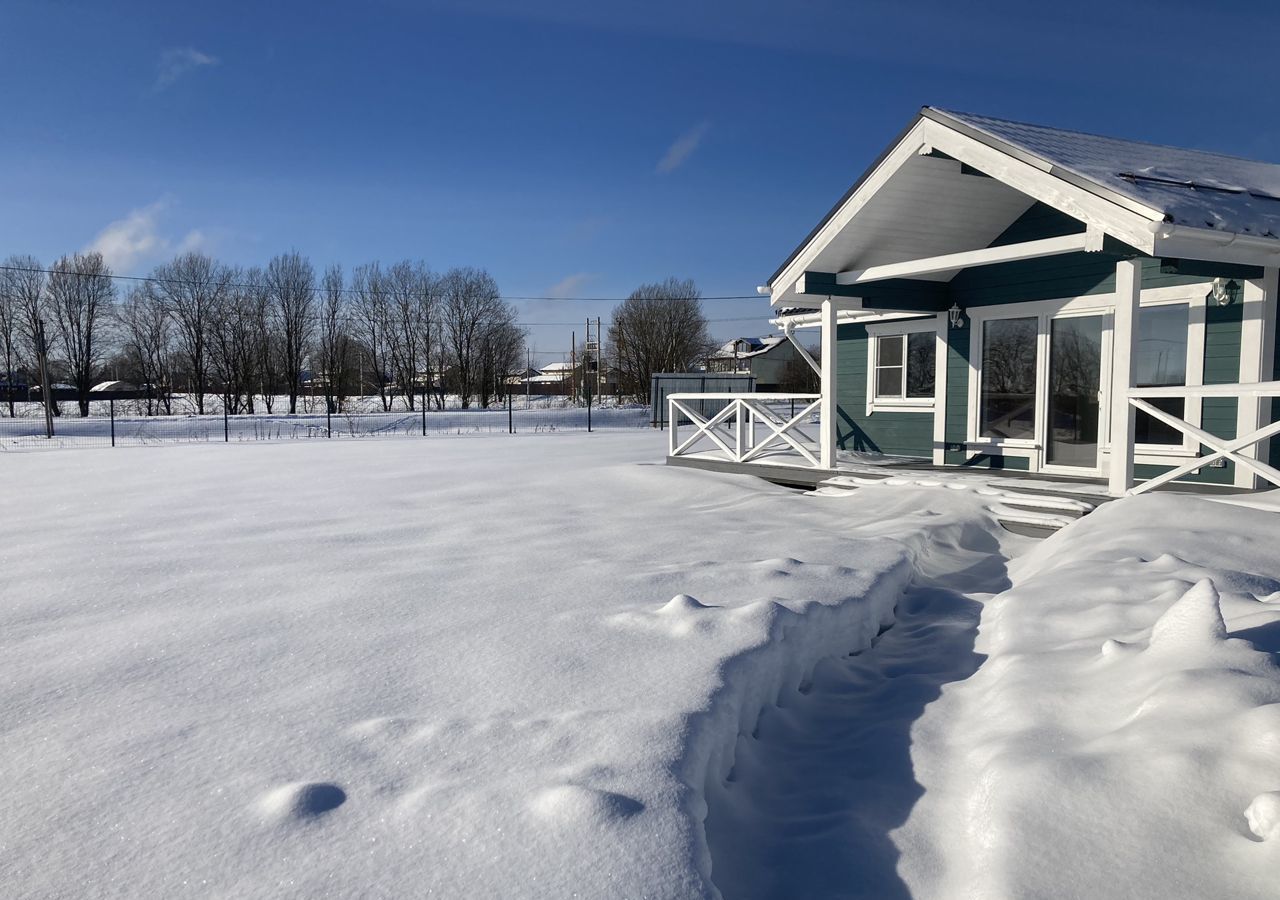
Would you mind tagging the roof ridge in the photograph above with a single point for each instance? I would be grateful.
(968, 116)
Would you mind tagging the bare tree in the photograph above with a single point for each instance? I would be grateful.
(267, 340)
(80, 295)
(192, 286)
(233, 355)
(372, 321)
(501, 351)
(411, 293)
(659, 328)
(21, 292)
(292, 283)
(147, 334)
(25, 283)
(470, 304)
(334, 350)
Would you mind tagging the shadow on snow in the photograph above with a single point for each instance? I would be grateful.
(817, 790)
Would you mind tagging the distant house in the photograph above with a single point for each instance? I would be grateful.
(766, 358)
(560, 370)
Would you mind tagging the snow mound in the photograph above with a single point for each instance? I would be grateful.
(1263, 815)
(1193, 622)
(583, 806)
(682, 605)
(1142, 756)
(301, 801)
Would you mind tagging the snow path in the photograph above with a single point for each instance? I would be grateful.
(827, 775)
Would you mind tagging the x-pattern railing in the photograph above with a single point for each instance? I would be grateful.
(733, 428)
(1220, 448)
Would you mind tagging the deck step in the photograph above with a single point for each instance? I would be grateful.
(1026, 511)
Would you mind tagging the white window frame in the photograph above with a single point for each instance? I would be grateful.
(903, 327)
(1192, 295)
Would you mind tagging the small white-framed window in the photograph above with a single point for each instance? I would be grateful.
(902, 367)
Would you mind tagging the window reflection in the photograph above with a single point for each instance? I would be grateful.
(1161, 360)
(1009, 378)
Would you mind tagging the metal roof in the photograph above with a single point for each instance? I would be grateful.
(1196, 188)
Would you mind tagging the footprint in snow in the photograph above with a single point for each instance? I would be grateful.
(301, 801)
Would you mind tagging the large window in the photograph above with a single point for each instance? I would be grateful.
(1161, 361)
(1008, 402)
(904, 366)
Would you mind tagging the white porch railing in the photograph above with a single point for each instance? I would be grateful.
(732, 431)
(1228, 448)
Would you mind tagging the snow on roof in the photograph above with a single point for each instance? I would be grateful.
(112, 386)
(757, 346)
(1189, 187)
(557, 367)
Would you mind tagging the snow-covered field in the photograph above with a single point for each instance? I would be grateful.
(548, 665)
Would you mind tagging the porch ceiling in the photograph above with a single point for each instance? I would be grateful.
(928, 207)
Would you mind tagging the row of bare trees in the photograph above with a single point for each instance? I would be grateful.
(201, 327)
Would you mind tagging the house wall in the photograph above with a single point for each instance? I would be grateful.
(1071, 275)
(894, 433)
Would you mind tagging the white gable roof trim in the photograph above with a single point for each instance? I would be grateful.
(1136, 207)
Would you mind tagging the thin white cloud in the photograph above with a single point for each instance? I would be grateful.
(136, 239)
(682, 148)
(569, 285)
(178, 61)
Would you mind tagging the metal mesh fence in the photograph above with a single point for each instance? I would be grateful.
(117, 424)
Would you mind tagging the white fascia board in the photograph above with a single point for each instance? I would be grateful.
(1090, 240)
(1182, 242)
(1131, 222)
(908, 147)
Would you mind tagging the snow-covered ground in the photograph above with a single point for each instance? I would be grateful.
(548, 665)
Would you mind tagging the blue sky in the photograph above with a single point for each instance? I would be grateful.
(573, 148)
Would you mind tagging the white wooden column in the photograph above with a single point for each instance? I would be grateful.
(1257, 358)
(827, 437)
(1124, 350)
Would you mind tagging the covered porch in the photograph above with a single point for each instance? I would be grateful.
(980, 305)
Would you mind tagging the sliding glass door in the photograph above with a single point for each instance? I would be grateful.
(1075, 384)
(1040, 387)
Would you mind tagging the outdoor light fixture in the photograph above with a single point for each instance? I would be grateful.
(1222, 291)
(956, 315)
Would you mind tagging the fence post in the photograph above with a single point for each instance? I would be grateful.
(111, 405)
(226, 422)
(511, 425)
(424, 412)
(588, 409)
(328, 417)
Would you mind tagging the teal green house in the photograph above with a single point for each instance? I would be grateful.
(1009, 296)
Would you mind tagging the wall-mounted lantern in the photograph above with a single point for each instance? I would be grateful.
(1223, 291)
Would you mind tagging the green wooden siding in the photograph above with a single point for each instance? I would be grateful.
(894, 433)
(1069, 275)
